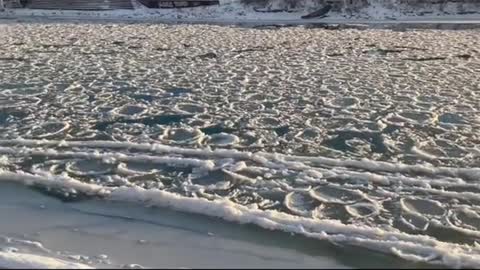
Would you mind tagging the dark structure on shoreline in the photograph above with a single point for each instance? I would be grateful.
(103, 4)
(177, 4)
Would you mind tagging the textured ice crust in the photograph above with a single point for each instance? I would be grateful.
(366, 138)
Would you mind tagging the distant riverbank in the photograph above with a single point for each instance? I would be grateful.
(239, 15)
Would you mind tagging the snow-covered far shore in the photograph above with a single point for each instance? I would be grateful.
(234, 13)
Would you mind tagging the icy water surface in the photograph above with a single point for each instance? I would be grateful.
(366, 138)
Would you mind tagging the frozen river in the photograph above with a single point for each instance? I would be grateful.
(361, 138)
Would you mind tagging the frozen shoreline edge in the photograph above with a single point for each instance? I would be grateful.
(445, 22)
(85, 235)
(415, 248)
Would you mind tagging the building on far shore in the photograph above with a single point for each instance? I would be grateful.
(177, 4)
(103, 4)
(70, 4)
(344, 6)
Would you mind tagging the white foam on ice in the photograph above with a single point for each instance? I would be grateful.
(375, 166)
(392, 241)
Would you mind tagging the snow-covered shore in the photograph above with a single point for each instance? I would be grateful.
(235, 13)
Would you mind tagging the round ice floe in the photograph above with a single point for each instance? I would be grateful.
(190, 108)
(308, 134)
(89, 167)
(248, 107)
(221, 139)
(259, 138)
(25, 91)
(414, 221)
(182, 135)
(359, 146)
(134, 168)
(414, 117)
(266, 122)
(422, 207)
(49, 129)
(200, 120)
(343, 102)
(71, 100)
(83, 133)
(213, 180)
(361, 210)
(300, 203)
(104, 96)
(261, 98)
(197, 123)
(403, 98)
(147, 96)
(103, 108)
(466, 218)
(451, 118)
(131, 110)
(316, 122)
(51, 166)
(335, 194)
(17, 102)
(204, 117)
(127, 131)
(432, 99)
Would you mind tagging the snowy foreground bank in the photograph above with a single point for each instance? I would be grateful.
(42, 232)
